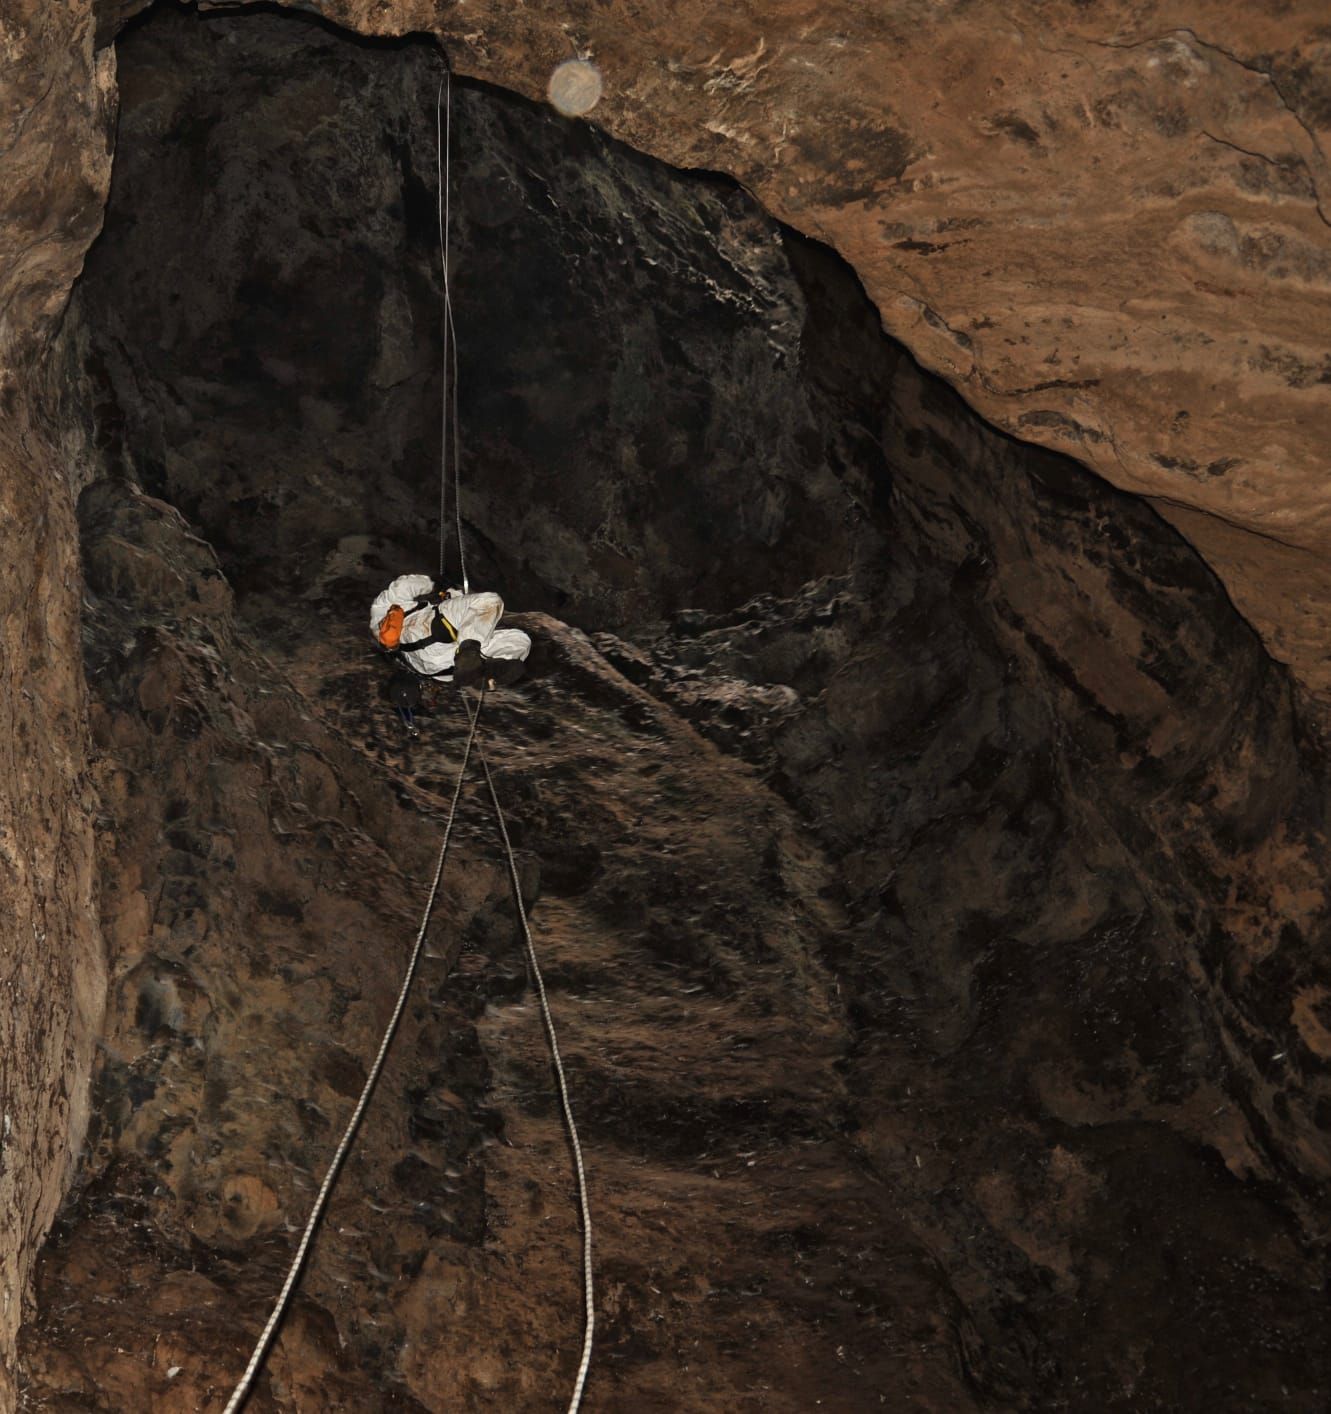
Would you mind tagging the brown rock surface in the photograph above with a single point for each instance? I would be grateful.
(256, 942)
(51, 976)
(1106, 225)
(54, 167)
(1063, 803)
(929, 859)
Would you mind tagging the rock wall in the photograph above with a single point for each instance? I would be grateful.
(934, 872)
(55, 111)
(301, 332)
(51, 972)
(266, 841)
(1108, 229)
(1107, 225)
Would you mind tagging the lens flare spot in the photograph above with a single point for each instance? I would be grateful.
(575, 87)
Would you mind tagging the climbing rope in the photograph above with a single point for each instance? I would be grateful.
(448, 432)
(241, 1390)
(589, 1308)
(449, 400)
(444, 163)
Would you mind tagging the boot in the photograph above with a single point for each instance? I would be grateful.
(468, 665)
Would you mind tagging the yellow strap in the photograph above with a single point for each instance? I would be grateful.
(448, 626)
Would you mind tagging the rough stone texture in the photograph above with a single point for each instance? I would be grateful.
(54, 166)
(50, 955)
(940, 873)
(1106, 224)
(57, 108)
(571, 306)
(258, 912)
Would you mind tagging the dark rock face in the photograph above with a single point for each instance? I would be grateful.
(629, 360)
(262, 855)
(929, 856)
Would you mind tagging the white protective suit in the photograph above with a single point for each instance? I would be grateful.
(471, 616)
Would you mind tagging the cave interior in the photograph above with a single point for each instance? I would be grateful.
(898, 805)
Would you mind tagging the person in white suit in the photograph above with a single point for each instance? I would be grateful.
(447, 635)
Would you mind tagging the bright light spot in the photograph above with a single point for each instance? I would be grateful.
(575, 87)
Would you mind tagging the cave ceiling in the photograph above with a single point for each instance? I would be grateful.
(1105, 224)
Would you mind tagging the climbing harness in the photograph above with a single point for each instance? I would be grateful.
(441, 631)
(438, 634)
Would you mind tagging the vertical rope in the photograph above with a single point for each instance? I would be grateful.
(443, 256)
(457, 457)
(448, 402)
(449, 399)
(242, 1389)
(589, 1307)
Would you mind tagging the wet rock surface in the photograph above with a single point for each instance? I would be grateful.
(929, 873)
